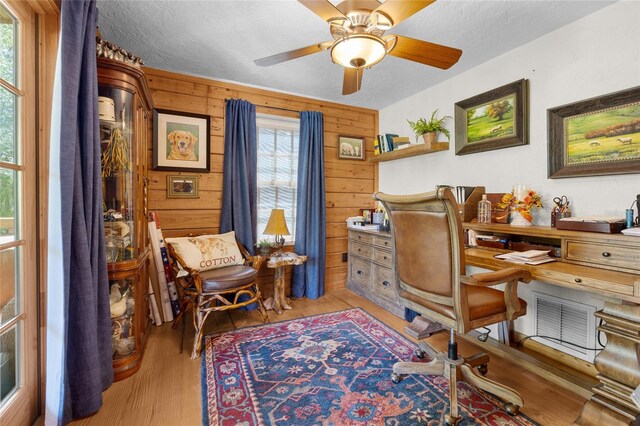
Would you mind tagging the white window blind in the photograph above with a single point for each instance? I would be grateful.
(278, 140)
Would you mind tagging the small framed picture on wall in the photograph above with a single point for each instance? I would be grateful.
(180, 141)
(182, 186)
(351, 147)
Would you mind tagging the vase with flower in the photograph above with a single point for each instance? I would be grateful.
(520, 205)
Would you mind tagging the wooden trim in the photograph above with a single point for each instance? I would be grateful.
(11, 88)
(48, 34)
(11, 166)
(12, 244)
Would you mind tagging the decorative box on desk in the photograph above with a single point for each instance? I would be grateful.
(371, 273)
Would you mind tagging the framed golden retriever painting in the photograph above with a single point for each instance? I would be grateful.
(180, 141)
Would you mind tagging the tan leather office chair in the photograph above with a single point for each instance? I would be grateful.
(430, 275)
(216, 290)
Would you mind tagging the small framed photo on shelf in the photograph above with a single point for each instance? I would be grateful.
(351, 147)
(493, 120)
(597, 136)
(180, 141)
(182, 186)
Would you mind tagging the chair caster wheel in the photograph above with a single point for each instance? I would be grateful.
(512, 409)
(396, 378)
(420, 353)
(450, 420)
(483, 369)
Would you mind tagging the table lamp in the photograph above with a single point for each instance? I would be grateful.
(277, 226)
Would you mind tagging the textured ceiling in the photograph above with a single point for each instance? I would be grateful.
(221, 39)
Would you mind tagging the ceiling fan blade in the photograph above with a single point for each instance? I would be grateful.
(292, 54)
(349, 5)
(352, 80)
(435, 55)
(399, 10)
(324, 9)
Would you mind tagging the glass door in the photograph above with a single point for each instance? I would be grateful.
(18, 291)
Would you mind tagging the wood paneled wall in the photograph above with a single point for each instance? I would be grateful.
(349, 184)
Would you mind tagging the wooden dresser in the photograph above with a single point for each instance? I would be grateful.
(370, 272)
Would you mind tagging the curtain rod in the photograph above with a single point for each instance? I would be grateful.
(271, 107)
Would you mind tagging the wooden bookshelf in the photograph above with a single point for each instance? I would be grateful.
(410, 152)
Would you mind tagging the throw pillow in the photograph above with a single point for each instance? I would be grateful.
(208, 252)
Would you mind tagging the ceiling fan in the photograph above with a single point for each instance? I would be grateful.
(358, 27)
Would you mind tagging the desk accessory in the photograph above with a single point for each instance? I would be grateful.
(602, 224)
(484, 210)
(468, 198)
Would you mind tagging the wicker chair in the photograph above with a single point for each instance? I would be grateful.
(216, 290)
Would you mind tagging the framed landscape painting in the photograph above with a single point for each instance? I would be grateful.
(180, 141)
(492, 120)
(597, 136)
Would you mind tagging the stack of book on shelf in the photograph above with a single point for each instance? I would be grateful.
(529, 257)
(389, 142)
(635, 231)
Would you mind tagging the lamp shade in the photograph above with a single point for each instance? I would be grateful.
(358, 51)
(277, 225)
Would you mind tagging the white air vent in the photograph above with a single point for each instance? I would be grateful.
(568, 321)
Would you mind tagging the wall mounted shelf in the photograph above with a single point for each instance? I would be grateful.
(410, 152)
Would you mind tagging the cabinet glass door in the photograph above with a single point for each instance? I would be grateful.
(118, 189)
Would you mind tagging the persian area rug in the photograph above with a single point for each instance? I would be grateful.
(330, 369)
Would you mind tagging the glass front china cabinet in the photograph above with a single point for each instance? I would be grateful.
(124, 106)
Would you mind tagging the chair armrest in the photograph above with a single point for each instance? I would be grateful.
(486, 279)
(508, 276)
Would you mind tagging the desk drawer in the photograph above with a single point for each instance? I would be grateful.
(360, 237)
(607, 255)
(361, 250)
(360, 272)
(382, 242)
(383, 257)
(383, 283)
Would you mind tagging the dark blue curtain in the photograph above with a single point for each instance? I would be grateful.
(87, 351)
(308, 279)
(240, 172)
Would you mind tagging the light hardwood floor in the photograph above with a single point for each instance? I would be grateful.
(166, 390)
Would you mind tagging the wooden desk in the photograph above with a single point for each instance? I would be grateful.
(607, 264)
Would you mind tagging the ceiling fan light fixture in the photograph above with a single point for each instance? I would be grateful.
(358, 51)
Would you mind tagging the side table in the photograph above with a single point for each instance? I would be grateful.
(279, 300)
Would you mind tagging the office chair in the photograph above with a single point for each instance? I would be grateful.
(430, 278)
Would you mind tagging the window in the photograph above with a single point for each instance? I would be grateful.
(277, 169)
(18, 289)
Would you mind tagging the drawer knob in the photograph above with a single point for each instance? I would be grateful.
(606, 254)
(385, 257)
(386, 243)
(360, 272)
(578, 280)
(386, 283)
(359, 249)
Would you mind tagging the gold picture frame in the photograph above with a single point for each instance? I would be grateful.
(182, 186)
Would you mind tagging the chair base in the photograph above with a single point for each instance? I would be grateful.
(214, 302)
(461, 369)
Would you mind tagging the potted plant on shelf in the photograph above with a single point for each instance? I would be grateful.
(264, 247)
(430, 129)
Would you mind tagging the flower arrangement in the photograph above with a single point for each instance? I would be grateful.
(532, 199)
